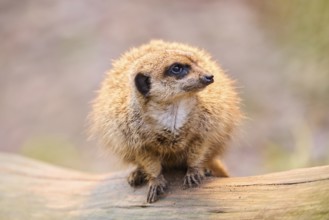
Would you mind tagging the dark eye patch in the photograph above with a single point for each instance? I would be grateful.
(178, 70)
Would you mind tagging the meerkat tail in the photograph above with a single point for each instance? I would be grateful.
(217, 168)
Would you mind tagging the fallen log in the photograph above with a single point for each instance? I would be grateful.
(35, 190)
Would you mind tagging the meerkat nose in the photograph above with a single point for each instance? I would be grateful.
(207, 79)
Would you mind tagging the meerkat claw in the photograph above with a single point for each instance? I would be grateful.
(192, 178)
(157, 187)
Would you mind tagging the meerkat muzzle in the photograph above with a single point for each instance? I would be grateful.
(207, 79)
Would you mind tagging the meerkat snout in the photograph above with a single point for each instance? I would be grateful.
(207, 79)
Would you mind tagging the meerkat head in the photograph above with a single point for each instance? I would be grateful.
(169, 74)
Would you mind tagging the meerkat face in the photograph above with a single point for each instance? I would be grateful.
(171, 75)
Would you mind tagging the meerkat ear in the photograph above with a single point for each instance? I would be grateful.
(143, 83)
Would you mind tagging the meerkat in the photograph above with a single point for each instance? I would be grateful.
(165, 106)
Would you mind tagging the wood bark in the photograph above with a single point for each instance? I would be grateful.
(35, 190)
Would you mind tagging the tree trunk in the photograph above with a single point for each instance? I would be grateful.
(34, 190)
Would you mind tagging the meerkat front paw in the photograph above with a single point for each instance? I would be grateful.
(193, 177)
(137, 178)
(157, 187)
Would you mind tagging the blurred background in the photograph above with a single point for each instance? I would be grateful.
(53, 56)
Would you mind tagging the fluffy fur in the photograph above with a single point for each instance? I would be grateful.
(159, 121)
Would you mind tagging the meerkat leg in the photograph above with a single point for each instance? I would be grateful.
(137, 177)
(217, 168)
(195, 170)
(157, 183)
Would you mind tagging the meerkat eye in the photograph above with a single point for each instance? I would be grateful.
(176, 68)
(179, 70)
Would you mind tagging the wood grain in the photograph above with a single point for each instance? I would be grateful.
(34, 190)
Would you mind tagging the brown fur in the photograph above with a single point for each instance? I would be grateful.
(135, 126)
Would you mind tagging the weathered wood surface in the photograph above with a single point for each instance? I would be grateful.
(34, 190)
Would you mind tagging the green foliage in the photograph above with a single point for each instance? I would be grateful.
(300, 28)
(279, 157)
(53, 150)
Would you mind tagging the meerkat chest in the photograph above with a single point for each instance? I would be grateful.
(173, 116)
